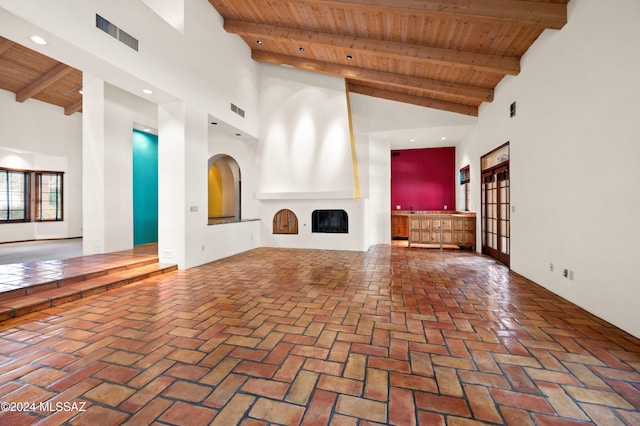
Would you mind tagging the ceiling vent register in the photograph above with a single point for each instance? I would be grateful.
(117, 33)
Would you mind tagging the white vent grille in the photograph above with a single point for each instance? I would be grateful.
(128, 39)
(237, 110)
(106, 26)
(117, 33)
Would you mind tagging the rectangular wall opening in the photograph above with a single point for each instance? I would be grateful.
(330, 221)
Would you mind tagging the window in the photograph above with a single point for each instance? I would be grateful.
(48, 196)
(465, 178)
(20, 202)
(14, 185)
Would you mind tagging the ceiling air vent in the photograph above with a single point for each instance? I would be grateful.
(117, 33)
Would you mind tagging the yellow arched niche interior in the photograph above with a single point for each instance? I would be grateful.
(215, 192)
(223, 187)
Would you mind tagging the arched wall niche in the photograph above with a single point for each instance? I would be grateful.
(224, 187)
(285, 222)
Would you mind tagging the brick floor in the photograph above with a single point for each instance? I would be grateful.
(283, 336)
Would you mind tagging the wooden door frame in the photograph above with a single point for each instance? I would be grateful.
(499, 169)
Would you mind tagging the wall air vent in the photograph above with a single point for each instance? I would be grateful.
(128, 39)
(106, 26)
(237, 110)
(117, 33)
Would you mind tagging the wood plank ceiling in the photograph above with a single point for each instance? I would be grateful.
(445, 54)
(30, 74)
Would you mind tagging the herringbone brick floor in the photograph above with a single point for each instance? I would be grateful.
(282, 336)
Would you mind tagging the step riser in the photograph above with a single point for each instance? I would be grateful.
(51, 294)
(69, 281)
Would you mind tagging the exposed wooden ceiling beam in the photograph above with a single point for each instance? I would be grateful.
(44, 81)
(5, 45)
(415, 100)
(432, 86)
(357, 45)
(547, 15)
(74, 107)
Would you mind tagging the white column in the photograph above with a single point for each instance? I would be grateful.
(93, 179)
(107, 171)
(182, 184)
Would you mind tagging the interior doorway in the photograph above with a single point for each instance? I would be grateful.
(496, 207)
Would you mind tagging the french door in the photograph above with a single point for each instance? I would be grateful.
(496, 225)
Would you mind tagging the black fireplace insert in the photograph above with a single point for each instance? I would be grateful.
(330, 221)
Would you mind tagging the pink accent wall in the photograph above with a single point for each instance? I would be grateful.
(423, 179)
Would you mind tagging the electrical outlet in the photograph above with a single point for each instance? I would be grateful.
(565, 273)
(551, 267)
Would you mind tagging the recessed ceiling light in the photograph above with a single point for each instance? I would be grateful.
(301, 49)
(259, 41)
(443, 138)
(38, 40)
(146, 130)
(238, 134)
(349, 57)
(214, 123)
(147, 91)
(412, 140)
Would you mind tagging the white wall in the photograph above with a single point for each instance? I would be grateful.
(304, 157)
(305, 147)
(224, 240)
(205, 66)
(378, 183)
(194, 74)
(574, 155)
(355, 240)
(467, 155)
(382, 117)
(244, 152)
(109, 118)
(38, 136)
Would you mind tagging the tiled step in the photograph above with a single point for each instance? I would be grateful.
(53, 293)
(44, 276)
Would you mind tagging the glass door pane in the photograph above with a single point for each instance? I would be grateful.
(505, 214)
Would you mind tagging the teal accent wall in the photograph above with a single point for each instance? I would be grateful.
(145, 188)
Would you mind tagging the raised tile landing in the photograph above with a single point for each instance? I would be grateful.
(32, 286)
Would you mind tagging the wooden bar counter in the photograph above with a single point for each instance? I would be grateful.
(435, 228)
